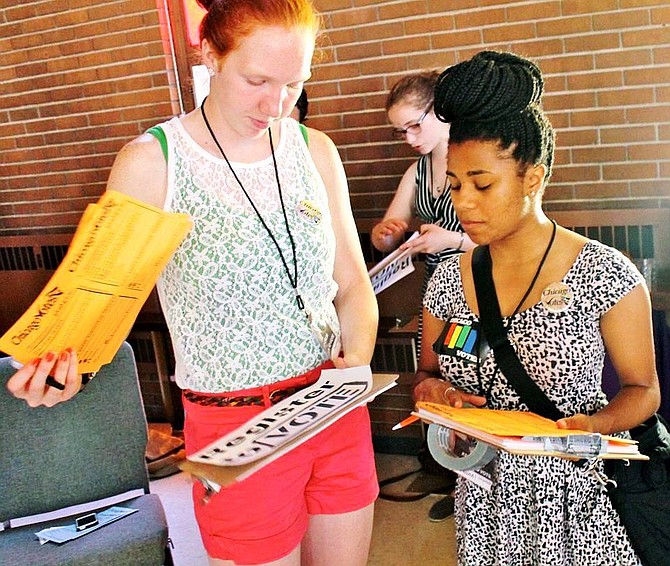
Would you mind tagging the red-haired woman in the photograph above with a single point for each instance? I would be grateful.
(269, 287)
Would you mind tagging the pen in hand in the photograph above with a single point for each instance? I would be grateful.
(405, 422)
(51, 382)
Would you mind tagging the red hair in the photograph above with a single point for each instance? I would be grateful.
(228, 21)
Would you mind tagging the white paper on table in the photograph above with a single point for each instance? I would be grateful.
(66, 533)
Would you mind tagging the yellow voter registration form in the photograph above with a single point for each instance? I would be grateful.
(90, 304)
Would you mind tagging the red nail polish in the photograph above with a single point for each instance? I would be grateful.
(50, 357)
(64, 356)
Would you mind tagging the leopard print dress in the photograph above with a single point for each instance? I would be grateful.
(540, 510)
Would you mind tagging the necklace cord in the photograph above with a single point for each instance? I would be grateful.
(293, 279)
(539, 268)
(516, 311)
(440, 189)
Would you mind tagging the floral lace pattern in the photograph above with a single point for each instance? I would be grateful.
(228, 301)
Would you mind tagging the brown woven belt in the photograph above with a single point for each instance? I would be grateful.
(218, 401)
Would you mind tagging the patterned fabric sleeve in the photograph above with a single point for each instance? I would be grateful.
(613, 276)
(443, 287)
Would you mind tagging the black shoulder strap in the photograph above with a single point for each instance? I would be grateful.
(496, 335)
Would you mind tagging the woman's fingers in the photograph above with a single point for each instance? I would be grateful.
(457, 398)
(48, 380)
(19, 382)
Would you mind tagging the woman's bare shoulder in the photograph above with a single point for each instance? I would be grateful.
(320, 143)
(140, 170)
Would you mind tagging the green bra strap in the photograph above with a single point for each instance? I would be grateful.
(159, 134)
(303, 130)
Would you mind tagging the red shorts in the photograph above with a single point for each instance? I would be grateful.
(264, 517)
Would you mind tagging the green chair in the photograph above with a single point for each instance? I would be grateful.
(84, 450)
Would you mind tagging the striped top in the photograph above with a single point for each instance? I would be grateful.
(433, 210)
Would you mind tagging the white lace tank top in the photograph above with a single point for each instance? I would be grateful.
(229, 304)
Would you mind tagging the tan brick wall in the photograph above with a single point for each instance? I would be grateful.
(607, 68)
(79, 79)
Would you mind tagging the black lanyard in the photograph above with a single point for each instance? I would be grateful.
(292, 278)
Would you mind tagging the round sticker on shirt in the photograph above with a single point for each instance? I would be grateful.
(309, 212)
(557, 297)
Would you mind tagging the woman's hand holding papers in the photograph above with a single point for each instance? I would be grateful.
(433, 239)
(32, 381)
(578, 422)
(435, 390)
(388, 233)
(353, 360)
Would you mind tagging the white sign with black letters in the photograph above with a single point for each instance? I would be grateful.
(335, 391)
(392, 268)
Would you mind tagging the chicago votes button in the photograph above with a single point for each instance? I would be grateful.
(557, 297)
(309, 212)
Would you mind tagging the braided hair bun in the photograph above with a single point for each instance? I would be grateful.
(487, 87)
(496, 97)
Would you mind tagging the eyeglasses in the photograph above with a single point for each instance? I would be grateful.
(414, 129)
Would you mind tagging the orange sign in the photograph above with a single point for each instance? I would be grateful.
(194, 14)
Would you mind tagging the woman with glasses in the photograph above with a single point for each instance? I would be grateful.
(424, 188)
(423, 192)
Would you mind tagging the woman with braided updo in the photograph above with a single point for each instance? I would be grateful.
(539, 510)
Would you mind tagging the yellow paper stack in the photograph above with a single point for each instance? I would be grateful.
(522, 432)
(91, 302)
